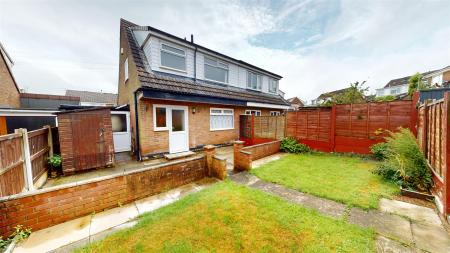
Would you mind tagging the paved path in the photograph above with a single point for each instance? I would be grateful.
(401, 227)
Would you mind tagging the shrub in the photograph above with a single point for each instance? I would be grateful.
(290, 145)
(405, 164)
(379, 150)
(19, 235)
(54, 161)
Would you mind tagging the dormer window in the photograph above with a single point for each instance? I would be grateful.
(173, 58)
(216, 70)
(254, 81)
(273, 85)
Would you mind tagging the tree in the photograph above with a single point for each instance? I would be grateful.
(354, 94)
(415, 83)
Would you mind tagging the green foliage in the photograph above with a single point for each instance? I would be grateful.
(415, 83)
(290, 145)
(54, 161)
(385, 98)
(379, 150)
(354, 94)
(19, 234)
(404, 163)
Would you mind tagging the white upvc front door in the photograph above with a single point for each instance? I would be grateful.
(178, 128)
(121, 131)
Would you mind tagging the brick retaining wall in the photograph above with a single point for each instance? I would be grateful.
(47, 207)
(244, 156)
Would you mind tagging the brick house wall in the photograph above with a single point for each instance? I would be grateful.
(10, 95)
(446, 76)
(199, 126)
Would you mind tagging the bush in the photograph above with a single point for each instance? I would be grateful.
(54, 161)
(379, 150)
(290, 145)
(405, 164)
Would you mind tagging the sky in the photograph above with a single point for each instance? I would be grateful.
(317, 46)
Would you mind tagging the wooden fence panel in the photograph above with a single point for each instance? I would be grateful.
(39, 151)
(12, 178)
(259, 129)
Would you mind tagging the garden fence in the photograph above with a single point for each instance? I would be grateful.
(350, 127)
(23, 159)
(259, 129)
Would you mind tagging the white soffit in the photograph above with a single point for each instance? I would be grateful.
(263, 105)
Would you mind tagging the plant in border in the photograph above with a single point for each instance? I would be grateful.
(19, 234)
(379, 150)
(55, 164)
(405, 164)
(290, 145)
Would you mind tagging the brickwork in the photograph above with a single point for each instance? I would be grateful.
(48, 207)
(10, 94)
(244, 156)
(199, 126)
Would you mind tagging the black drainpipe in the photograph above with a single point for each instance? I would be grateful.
(136, 115)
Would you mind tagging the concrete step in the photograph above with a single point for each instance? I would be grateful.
(178, 155)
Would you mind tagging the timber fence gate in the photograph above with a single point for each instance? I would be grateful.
(349, 127)
(433, 134)
(260, 129)
(23, 159)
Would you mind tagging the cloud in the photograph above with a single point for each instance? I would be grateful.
(316, 46)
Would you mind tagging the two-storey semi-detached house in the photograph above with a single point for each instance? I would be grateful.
(183, 95)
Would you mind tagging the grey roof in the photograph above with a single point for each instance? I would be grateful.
(178, 84)
(93, 97)
(403, 80)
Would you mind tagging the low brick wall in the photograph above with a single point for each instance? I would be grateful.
(244, 156)
(47, 207)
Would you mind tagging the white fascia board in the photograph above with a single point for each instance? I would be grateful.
(272, 106)
(22, 112)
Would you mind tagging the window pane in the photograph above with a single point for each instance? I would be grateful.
(177, 120)
(160, 117)
(172, 49)
(173, 61)
(119, 122)
(216, 74)
(211, 62)
(216, 111)
(228, 111)
(221, 121)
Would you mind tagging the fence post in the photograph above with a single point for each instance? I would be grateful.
(445, 150)
(49, 140)
(26, 159)
(425, 129)
(333, 127)
(414, 112)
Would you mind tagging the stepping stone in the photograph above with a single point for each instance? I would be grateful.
(113, 217)
(386, 245)
(244, 178)
(414, 212)
(389, 225)
(178, 155)
(430, 237)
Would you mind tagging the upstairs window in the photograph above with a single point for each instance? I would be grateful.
(395, 91)
(125, 67)
(173, 58)
(221, 119)
(216, 70)
(254, 81)
(273, 85)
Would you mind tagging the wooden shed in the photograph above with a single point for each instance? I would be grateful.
(85, 138)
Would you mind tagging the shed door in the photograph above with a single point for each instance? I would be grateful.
(178, 129)
(121, 131)
(89, 145)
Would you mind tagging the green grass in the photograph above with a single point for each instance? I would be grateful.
(345, 179)
(232, 218)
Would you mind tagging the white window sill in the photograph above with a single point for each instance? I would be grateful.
(220, 129)
(172, 69)
(214, 81)
(160, 129)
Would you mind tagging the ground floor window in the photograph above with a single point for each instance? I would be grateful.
(274, 113)
(159, 118)
(253, 112)
(221, 119)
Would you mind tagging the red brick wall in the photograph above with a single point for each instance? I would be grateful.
(262, 150)
(243, 157)
(199, 126)
(48, 207)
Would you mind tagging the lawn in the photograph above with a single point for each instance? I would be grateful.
(232, 218)
(341, 178)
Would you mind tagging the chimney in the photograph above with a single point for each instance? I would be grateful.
(192, 38)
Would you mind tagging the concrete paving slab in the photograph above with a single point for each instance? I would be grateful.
(113, 217)
(389, 225)
(57, 236)
(105, 233)
(267, 159)
(244, 178)
(414, 212)
(430, 237)
(386, 245)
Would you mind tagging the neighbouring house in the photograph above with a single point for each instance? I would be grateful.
(295, 103)
(438, 78)
(183, 96)
(397, 87)
(89, 98)
(327, 96)
(9, 97)
(46, 101)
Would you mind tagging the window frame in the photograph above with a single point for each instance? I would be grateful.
(161, 49)
(220, 114)
(250, 112)
(276, 85)
(275, 113)
(126, 70)
(218, 62)
(260, 80)
(155, 128)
